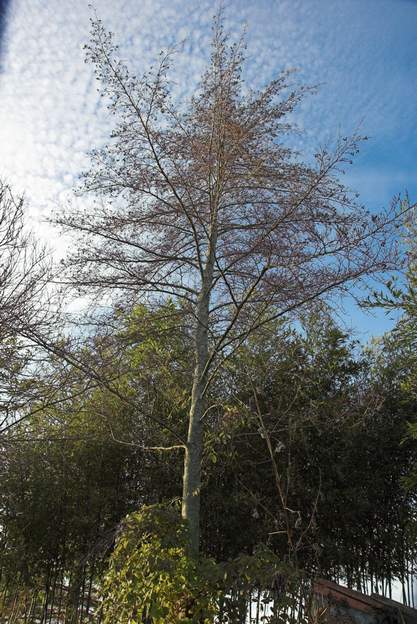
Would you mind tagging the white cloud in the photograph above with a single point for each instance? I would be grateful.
(51, 115)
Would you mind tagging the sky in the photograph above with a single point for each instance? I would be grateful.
(361, 53)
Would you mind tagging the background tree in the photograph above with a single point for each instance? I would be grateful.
(204, 202)
(25, 303)
(399, 347)
(336, 416)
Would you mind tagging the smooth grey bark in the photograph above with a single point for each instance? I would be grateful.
(194, 447)
(192, 463)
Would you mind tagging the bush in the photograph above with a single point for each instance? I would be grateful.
(152, 578)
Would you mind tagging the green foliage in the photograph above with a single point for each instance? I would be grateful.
(398, 349)
(152, 576)
(72, 471)
(60, 495)
(261, 578)
(337, 416)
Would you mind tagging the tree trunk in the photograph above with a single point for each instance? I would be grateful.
(192, 469)
(194, 448)
(73, 596)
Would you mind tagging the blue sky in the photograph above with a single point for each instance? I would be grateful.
(362, 53)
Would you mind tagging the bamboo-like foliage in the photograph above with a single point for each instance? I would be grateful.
(310, 459)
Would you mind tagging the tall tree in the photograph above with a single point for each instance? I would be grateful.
(208, 206)
(25, 272)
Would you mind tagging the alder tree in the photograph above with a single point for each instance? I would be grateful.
(204, 202)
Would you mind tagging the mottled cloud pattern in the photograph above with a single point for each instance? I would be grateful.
(361, 52)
